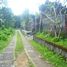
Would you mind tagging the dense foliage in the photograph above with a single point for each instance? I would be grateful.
(5, 37)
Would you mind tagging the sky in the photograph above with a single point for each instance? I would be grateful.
(18, 6)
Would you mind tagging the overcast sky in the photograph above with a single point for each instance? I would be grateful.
(18, 6)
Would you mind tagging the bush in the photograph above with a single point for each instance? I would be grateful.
(3, 37)
(5, 33)
(55, 39)
(8, 31)
(47, 35)
(63, 35)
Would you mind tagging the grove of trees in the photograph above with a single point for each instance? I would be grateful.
(51, 19)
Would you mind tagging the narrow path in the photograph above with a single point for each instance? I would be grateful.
(22, 60)
(35, 57)
(7, 57)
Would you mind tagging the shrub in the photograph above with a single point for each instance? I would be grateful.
(3, 37)
(47, 35)
(63, 35)
(4, 33)
(7, 31)
(55, 39)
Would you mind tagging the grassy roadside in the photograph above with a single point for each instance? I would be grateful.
(30, 64)
(6, 36)
(19, 45)
(6, 43)
(53, 58)
(58, 41)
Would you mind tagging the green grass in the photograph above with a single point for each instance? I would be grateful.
(62, 42)
(19, 44)
(4, 44)
(53, 58)
(5, 37)
(30, 64)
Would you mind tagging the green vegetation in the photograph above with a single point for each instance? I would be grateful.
(56, 40)
(7, 19)
(31, 64)
(53, 58)
(19, 45)
(5, 37)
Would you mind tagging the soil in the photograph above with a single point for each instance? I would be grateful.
(21, 60)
